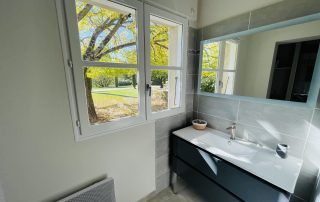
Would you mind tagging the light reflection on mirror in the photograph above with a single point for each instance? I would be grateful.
(274, 64)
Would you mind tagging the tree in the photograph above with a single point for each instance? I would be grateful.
(210, 58)
(100, 37)
(159, 40)
(159, 77)
(208, 81)
(110, 36)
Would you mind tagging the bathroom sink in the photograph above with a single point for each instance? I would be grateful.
(227, 146)
(251, 157)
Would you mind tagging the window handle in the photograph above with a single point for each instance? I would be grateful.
(148, 88)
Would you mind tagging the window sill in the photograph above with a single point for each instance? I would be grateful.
(80, 138)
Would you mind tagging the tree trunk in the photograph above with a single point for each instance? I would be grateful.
(116, 81)
(93, 118)
(134, 81)
(161, 83)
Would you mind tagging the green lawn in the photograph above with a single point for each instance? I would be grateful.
(124, 91)
(104, 97)
(114, 103)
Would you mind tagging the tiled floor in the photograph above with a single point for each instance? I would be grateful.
(186, 195)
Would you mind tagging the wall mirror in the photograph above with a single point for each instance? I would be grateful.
(273, 63)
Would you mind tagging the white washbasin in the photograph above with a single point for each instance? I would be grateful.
(226, 145)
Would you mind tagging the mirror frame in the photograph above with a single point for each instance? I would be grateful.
(314, 90)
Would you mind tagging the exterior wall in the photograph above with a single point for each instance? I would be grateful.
(267, 123)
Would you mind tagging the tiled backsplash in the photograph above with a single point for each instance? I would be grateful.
(163, 129)
(266, 124)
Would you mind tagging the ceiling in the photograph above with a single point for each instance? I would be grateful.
(212, 11)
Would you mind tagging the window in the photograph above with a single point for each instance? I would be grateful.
(218, 66)
(109, 78)
(107, 55)
(165, 54)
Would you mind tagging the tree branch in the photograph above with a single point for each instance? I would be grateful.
(89, 52)
(115, 49)
(106, 40)
(84, 12)
(161, 40)
(161, 45)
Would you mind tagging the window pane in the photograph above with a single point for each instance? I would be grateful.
(165, 42)
(228, 83)
(111, 93)
(107, 32)
(209, 82)
(166, 88)
(230, 55)
(210, 55)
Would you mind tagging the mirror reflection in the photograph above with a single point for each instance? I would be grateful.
(275, 64)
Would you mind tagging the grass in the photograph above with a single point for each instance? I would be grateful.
(127, 92)
(115, 103)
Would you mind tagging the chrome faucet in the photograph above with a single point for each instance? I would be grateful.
(232, 129)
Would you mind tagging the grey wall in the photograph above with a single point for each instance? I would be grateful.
(267, 124)
(166, 125)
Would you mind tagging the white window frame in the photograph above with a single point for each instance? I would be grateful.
(148, 11)
(220, 69)
(85, 128)
(72, 59)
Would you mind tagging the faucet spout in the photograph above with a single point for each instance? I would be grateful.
(232, 129)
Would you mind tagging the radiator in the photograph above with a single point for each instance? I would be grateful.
(102, 191)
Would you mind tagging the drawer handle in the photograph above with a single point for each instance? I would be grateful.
(210, 160)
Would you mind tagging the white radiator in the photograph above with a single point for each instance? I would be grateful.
(102, 191)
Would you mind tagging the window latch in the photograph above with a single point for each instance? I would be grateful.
(148, 88)
(70, 64)
(78, 123)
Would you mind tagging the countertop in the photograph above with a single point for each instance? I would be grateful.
(262, 163)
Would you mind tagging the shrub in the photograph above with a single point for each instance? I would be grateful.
(208, 82)
(102, 81)
(125, 82)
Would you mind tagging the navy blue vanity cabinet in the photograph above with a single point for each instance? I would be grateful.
(204, 186)
(230, 183)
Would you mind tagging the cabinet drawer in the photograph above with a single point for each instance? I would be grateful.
(239, 182)
(207, 189)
